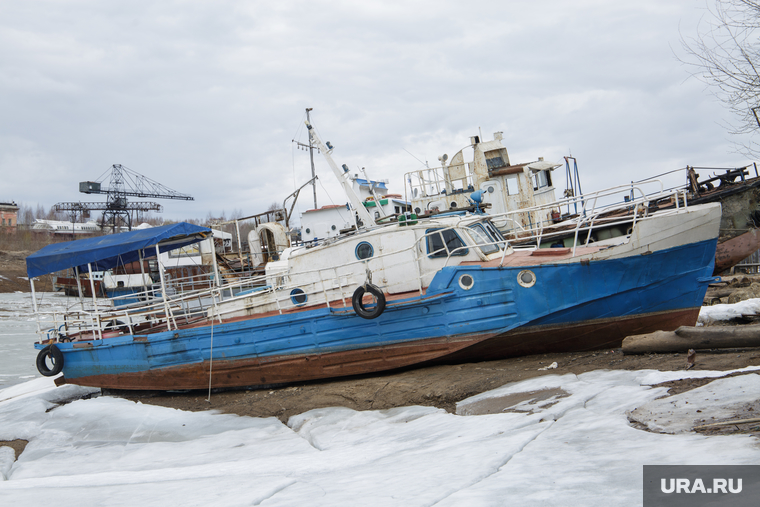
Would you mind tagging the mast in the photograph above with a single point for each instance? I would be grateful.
(311, 156)
(342, 176)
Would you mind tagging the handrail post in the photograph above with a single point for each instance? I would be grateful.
(95, 302)
(169, 316)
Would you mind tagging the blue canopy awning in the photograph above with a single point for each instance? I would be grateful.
(106, 252)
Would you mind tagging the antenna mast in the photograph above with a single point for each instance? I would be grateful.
(356, 202)
(311, 156)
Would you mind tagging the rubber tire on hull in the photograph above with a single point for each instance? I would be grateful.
(368, 313)
(56, 355)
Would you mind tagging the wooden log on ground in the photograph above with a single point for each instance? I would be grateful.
(658, 341)
(720, 293)
(685, 338)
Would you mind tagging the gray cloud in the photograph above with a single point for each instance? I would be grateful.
(206, 97)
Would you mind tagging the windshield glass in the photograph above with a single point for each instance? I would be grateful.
(444, 243)
(483, 239)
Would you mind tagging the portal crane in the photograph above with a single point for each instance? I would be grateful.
(124, 183)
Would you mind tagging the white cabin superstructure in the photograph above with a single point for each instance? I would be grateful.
(505, 187)
(328, 221)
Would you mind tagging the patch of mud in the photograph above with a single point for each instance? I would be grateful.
(699, 403)
(687, 384)
(748, 412)
(441, 386)
(17, 445)
(526, 402)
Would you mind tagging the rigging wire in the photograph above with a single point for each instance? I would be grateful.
(329, 197)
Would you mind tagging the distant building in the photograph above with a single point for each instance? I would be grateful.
(8, 216)
(60, 227)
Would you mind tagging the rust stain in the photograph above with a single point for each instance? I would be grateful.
(729, 253)
(600, 334)
(548, 252)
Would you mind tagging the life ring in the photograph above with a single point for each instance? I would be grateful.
(55, 355)
(357, 303)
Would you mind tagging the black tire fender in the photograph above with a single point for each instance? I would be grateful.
(358, 304)
(55, 355)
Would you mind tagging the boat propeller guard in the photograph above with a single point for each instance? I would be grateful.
(56, 357)
(369, 312)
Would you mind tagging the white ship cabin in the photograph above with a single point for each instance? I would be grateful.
(186, 267)
(329, 221)
(61, 227)
(485, 165)
(198, 254)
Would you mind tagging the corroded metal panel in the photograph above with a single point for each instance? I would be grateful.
(732, 252)
(595, 335)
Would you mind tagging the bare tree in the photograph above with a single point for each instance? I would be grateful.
(725, 54)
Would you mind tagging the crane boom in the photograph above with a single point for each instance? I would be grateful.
(342, 176)
(128, 183)
(124, 183)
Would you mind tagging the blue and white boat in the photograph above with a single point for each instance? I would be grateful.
(445, 288)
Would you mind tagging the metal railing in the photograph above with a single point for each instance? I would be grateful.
(333, 284)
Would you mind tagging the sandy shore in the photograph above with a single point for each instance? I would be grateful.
(438, 386)
(13, 274)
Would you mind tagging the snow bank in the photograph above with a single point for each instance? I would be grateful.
(552, 440)
(723, 312)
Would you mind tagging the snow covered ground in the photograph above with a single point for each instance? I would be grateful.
(723, 312)
(552, 440)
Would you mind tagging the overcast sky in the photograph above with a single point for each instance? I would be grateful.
(205, 97)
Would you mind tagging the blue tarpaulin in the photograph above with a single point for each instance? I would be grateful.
(106, 252)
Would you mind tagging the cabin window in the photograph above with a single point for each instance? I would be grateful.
(495, 163)
(542, 179)
(495, 159)
(512, 185)
(493, 231)
(483, 239)
(444, 242)
(364, 251)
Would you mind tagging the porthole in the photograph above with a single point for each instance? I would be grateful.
(332, 227)
(298, 296)
(490, 190)
(526, 278)
(453, 204)
(308, 230)
(364, 251)
(466, 282)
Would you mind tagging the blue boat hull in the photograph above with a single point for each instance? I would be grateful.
(576, 306)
